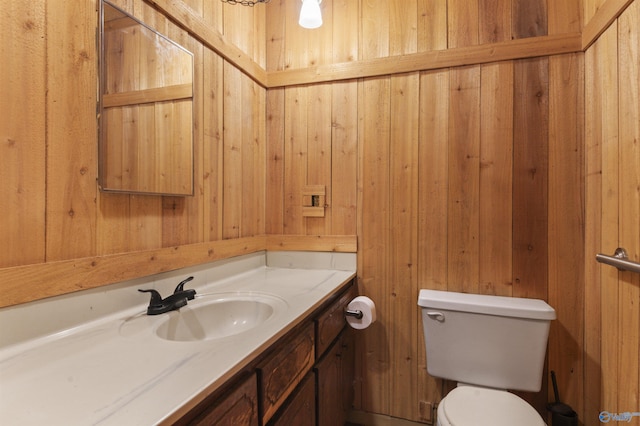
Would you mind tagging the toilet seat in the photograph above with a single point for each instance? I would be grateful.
(474, 406)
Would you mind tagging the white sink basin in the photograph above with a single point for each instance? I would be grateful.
(209, 317)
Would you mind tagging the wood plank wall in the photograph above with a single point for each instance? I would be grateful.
(468, 179)
(612, 141)
(48, 150)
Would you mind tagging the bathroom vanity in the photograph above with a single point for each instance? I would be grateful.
(96, 357)
(279, 387)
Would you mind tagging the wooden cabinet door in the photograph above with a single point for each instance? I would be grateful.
(300, 410)
(284, 370)
(335, 373)
(238, 408)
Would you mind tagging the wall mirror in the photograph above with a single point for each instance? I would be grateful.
(146, 108)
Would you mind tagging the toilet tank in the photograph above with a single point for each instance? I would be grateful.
(493, 341)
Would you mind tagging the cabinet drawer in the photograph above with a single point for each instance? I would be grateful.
(331, 321)
(284, 369)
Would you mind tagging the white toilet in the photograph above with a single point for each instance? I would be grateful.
(488, 344)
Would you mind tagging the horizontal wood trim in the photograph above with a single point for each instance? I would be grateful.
(603, 18)
(332, 243)
(21, 284)
(472, 55)
(194, 24)
(159, 94)
(186, 18)
(31, 282)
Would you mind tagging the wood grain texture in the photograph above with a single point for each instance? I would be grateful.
(403, 253)
(71, 188)
(344, 151)
(463, 169)
(601, 16)
(495, 219)
(596, 130)
(529, 18)
(275, 161)
(374, 239)
(364, 148)
(22, 133)
(429, 60)
(629, 219)
(530, 178)
(566, 224)
(284, 370)
(213, 39)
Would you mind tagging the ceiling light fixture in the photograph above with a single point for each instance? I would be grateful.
(310, 15)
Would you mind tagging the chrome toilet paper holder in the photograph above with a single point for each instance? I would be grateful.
(354, 313)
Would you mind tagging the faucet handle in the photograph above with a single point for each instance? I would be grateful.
(156, 298)
(180, 289)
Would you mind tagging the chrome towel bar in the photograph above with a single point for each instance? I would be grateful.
(620, 260)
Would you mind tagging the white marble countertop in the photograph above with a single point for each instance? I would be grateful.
(82, 368)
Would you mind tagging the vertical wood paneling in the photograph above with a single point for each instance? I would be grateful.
(232, 153)
(345, 33)
(590, 7)
(596, 130)
(495, 20)
(319, 153)
(275, 161)
(250, 169)
(566, 224)
(374, 240)
(403, 27)
(296, 38)
(464, 175)
(22, 131)
(529, 18)
(612, 299)
(530, 178)
(629, 224)
(463, 23)
(71, 188)
(275, 39)
(405, 92)
(320, 41)
(295, 151)
(565, 16)
(432, 247)
(212, 145)
(344, 152)
(496, 177)
(610, 228)
(195, 206)
(432, 25)
(433, 180)
(374, 21)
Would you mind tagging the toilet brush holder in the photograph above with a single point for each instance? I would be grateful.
(561, 414)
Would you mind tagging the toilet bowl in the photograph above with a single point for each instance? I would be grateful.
(476, 406)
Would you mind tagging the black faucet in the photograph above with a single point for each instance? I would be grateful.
(179, 298)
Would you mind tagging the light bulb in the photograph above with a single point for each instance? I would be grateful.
(310, 15)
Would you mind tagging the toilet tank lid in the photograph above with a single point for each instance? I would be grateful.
(485, 304)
